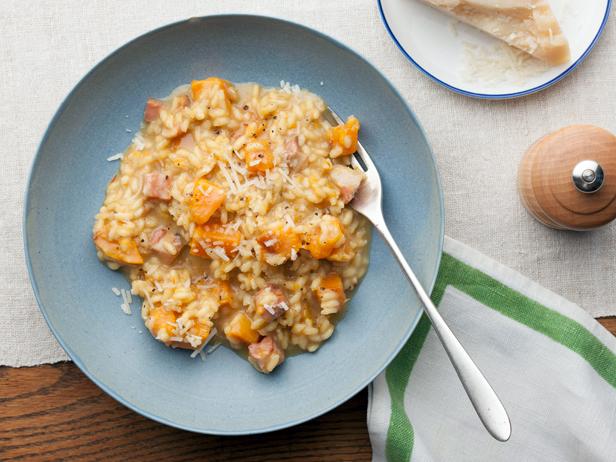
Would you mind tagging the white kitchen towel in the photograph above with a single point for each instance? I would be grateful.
(46, 47)
(553, 366)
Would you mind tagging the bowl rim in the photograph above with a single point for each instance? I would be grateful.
(116, 395)
(497, 96)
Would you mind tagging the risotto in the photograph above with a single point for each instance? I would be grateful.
(229, 216)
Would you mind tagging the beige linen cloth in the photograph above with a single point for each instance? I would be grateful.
(46, 47)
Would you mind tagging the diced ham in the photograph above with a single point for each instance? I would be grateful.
(271, 302)
(265, 355)
(293, 155)
(157, 235)
(291, 147)
(152, 110)
(183, 101)
(348, 180)
(166, 243)
(187, 142)
(157, 186)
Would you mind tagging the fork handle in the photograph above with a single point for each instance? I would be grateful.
(488, 406)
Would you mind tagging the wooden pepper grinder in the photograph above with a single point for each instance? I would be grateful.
(567, 179)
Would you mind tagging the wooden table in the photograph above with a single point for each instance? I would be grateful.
(54, 412)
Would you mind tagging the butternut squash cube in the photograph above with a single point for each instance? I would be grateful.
(123, 251)
(206, 198)
(213, 235)
(239, 330)
(162, 320)
(331, 282)
(280, 241)
(223, 292)
(342, 254)
(199, 87)
(344, 136)
(200, 329)
(258, 156)
(325, 237)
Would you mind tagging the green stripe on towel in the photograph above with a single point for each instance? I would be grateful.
(516, 306)
(492, 293)
(400, 435)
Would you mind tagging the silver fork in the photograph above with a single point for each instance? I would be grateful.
(368, 202)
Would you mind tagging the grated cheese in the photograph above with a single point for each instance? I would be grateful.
(217, 252)
(289, 179)
(138, 142)
(117, 156)
(194, 354)
(498, 64)
(269, 309)
(235, 177)
(234, 187)
(213, 349)
(288, 88)
(234, 226)
(238, 168)
(290, 223)
(127, 299)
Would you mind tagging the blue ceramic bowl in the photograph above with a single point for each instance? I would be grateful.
(224, 394)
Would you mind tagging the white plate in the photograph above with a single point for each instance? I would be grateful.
(447, 51)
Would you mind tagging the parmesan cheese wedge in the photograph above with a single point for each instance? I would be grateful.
(529, 25)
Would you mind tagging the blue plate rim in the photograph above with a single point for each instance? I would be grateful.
(497, 96)
(77, 360)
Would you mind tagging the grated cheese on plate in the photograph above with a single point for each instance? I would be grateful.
(117, 156)
(288, 88)
(138, 142)
(213, 349)
(194, 354)
(498, 64)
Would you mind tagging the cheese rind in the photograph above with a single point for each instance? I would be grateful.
(529, 25)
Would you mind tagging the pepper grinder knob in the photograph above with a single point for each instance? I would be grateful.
(588, 176)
